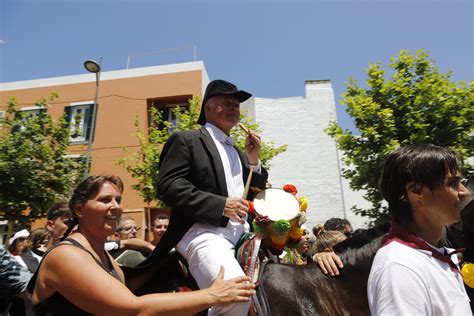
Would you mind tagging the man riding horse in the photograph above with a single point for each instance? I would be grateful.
(201, 177)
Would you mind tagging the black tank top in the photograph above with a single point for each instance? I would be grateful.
(56, 304)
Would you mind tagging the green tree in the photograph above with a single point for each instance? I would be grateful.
(143, 164)
(416, 104)
(34, 169)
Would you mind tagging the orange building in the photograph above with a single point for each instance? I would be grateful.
(123, 96)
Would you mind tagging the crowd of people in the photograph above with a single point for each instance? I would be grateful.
(72, 265)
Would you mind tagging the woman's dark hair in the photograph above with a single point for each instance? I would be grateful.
(36, 238)
(336, 224)
(86, 190)
(422, 164)
(325, 239)
(12, 246)
(57, 210)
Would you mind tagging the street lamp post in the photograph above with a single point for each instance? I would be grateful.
(93, 67)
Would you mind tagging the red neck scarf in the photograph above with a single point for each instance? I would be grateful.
(402, 235)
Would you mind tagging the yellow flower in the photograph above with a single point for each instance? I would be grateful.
(296, 233)
(303, 203)
(468, 274)
(279, 239)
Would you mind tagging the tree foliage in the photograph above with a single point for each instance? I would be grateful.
(35, 171)
(143, 164)
(416, 104)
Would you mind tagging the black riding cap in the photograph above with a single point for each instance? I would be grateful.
(221, 87)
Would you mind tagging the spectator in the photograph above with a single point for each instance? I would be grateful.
(299, 255)
(17, 242)
(127, 228)
(38, 240)
(127, 231)
(30, 259)
(13, 279)
(411, 274)
(34, 249)
(77, 276)
(339, 224)
(326, 239)
(160, 225)
(58, 218)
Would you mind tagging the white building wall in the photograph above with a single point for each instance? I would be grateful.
(311, 160)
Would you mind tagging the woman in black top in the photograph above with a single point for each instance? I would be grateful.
(77, 277)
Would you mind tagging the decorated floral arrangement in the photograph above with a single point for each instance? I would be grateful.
(468, 274)
(282, 233)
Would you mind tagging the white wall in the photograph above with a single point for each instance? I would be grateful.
(311, 159)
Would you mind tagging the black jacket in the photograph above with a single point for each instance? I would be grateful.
(191, 181)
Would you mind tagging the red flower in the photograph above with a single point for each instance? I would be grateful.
(276, 249)
(290, 188)
(262, 221)
(251, 208)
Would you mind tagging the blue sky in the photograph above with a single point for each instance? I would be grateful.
(266, 47)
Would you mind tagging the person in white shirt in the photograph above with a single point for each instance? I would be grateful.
(410, 274)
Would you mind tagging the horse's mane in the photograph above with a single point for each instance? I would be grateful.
(360, 256)
(361, 237)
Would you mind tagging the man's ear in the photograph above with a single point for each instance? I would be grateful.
(49, 225)
(414, 192)
(207, 107)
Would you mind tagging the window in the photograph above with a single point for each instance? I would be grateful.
(27, 113)
(2, 118)
(167, 107)
(81, 160)
(79, 117)
(23, 115)
(169, 114)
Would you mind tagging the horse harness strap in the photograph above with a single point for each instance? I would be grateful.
(262, 305)
(248, 257)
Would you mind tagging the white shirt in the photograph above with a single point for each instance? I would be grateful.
(22, 262)
(407, 281)
(235, 188)
(230, 160)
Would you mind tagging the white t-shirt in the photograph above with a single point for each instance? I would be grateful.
(407, 281)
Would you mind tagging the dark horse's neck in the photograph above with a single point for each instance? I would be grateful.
(305, 290)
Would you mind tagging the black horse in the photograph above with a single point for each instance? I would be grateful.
(305, 290)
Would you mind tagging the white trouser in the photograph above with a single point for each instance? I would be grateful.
(205, 254)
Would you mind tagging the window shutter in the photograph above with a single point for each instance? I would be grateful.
(67, 114)
(89, 113)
